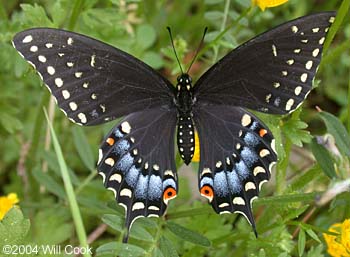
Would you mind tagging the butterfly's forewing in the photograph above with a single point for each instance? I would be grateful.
(237, 152)
(273, 72)
(136, 161)
(92, 82)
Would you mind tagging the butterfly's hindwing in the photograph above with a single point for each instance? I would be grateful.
(271, 73)
(136, 161)
(237, 152)
(92, 82)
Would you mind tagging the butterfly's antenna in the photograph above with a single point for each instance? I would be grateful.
(197, 51)
(172, 43)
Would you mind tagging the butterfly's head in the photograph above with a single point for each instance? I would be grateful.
(184, 81)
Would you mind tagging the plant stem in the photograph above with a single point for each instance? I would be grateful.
(75, 14)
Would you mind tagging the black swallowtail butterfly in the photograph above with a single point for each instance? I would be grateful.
(94, 83)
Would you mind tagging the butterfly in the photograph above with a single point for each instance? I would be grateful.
(94, 83)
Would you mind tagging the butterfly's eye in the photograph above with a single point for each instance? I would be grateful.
(207, 192)
(179, 79)
(169, 194)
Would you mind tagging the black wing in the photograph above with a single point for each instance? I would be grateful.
(136, 161)
(92, 81)
(237, 152)
(271, 73)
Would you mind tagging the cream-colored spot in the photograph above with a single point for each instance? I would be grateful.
(321, 41)
(73, 106)
(297, 50)
(205, 171)
(100, 156)
(169, 172)
(65, 94)
(295, 29)
(315, 30)
(303, 77)
(113, 190)
(276, 84)
(86, 85)
(110, 162)
(70, 64)
(331, 19)
(125, 127)
(304, 41)
(138, 206)
(289, 104)
(92, 62)
(135, 151)
(238, 146)
(238, 201)
(218, 164)
(82, 117)
(290, 61)
(60, 54)
(155, 167)
(126, 192)
(116, 177)
(33, 49)
(48, 45)
(273, 145)
(315, 52)
(78, 74)
(308, 65)
(70, 41)
(249, 185)
(103, 107)
(103, 176)
(27, 39)
(228, 162)
(246, 120)
(146, 165)
(297, 90)
(154, 208)
(223, 205)
(50, 70)
(268, 97)
(258, 169)
(264, 152)
(42, 58)
(94, 96)
(284, 73)
(274, 50)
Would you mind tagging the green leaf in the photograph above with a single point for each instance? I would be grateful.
(323, 157)
(113, 221)
(188, 235)
(83, 147)
(313, 235)
(10, 123)
(35, 15)
(13, 227)
(294, 130)
(167, 247)
(213, 15)
(301, 242)
(145, 36)
(337, 129)
(120, 249)
(48, 182)
(153, 59)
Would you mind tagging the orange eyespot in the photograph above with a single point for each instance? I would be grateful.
(262, 132)
(207, 192)
(169, 194)
(110, 141)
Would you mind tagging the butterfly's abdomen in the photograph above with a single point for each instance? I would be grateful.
(185, 137)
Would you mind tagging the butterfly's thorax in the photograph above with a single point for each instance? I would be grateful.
(185, 130)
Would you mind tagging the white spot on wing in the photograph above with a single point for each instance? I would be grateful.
(303, 77)
(246, 120)
(42, 58)
(308, 65)
(238, 201)
(109, 162)
(289, 104)
(27, 39)
(258, 169)
(92, 62)
(33, 49)
(50, 70)
(274, 50)
(70, 41)
(82, 117)
(126, 192)
(65, 94)
(73, 106)
(125, 127)
(294, 29)
(48, 45)
(78, 74)
(249, 185)
(315, 52)
(116, 177)
(100, 155)
(138, 206)
(297, 90)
